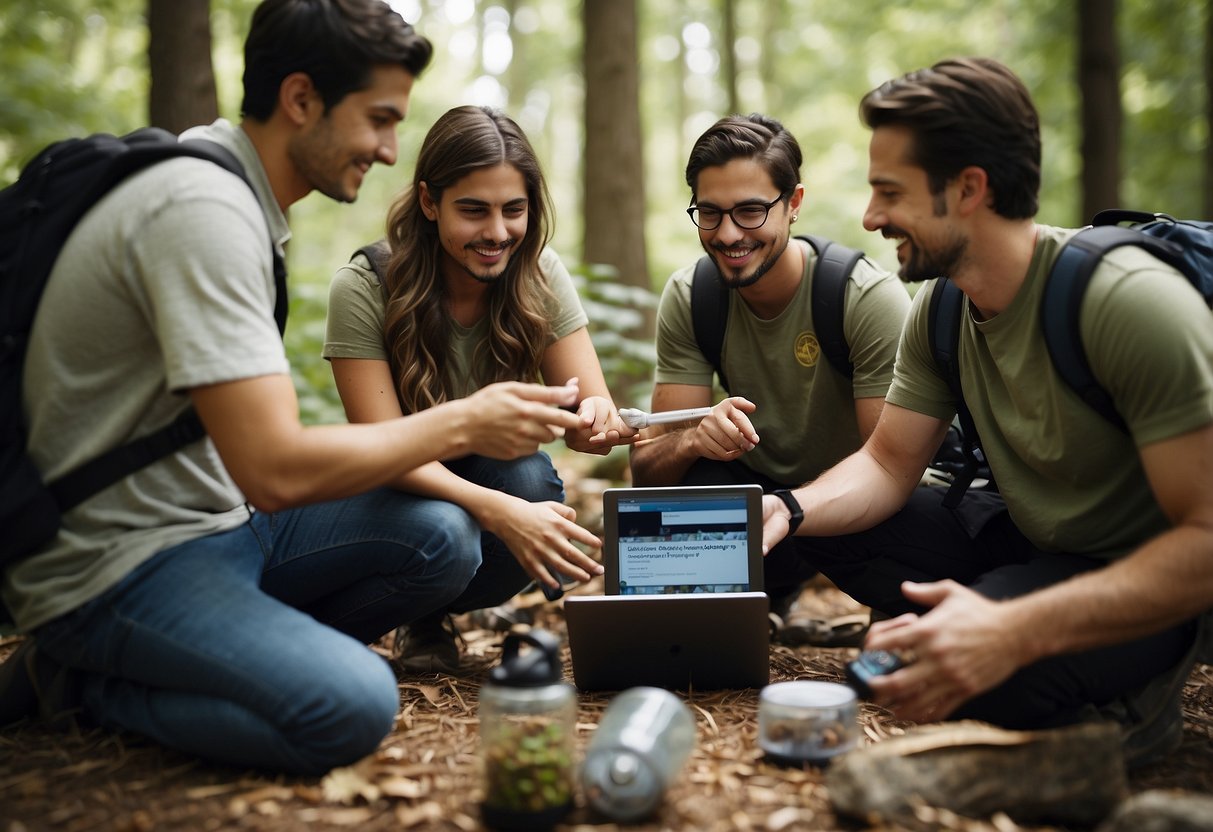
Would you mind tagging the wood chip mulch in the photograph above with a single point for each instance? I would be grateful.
(425, 775)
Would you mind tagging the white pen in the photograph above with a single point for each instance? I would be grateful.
(638, 419)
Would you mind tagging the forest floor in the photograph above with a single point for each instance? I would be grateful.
(425, 774)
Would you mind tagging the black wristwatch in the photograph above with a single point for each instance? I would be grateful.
(794, 507)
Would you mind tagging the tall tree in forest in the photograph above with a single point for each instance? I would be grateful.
(614, 193)
(1207, 200)
(774, 19)
(1099, 84)
(728, 54)
(182, 91)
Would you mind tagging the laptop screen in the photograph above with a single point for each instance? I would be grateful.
(683, 540)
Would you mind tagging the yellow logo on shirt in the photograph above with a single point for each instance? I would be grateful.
(807, 349)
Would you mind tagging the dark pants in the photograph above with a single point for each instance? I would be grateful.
(979, 546)
(786, 567)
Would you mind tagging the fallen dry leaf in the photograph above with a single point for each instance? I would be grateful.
(403, 787)
(344, 785)
(410, 816)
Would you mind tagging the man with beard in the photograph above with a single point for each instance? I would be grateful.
(1082, 599)
(790, 414)
(220, 599)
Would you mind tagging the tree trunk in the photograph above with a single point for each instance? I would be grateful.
(1099, 85)
(728, 55)
(614, 166)
(1207, 202)
(774, 19)
(179, 56)
(682, 106)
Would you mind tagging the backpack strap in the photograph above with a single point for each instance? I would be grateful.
(943, 328)
(97, 474)
(835, 262)
(710, 313)
(1061, 305)
(378, 253)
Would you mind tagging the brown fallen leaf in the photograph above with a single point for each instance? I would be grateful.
(403, 787)
(344, 785)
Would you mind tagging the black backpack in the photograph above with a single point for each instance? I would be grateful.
(710, 305)
(1187, 245)
(37, 214)
(378, 253)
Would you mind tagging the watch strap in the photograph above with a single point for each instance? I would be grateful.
(793, 508)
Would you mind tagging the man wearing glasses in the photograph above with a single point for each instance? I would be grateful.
(789, 414)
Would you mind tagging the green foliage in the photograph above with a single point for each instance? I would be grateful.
(615, 310)
(77, 66)
(319, 403)
(69, 68)
(1165, 129)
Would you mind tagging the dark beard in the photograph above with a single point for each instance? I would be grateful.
(490, 279)
(729, 280)
(922, 265)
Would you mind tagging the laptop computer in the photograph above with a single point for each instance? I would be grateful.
(684, 606)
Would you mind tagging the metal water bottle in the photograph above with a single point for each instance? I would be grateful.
(645, 737)
(528, 717)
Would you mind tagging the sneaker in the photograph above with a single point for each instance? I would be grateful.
(428, 645)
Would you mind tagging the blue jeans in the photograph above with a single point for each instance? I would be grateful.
(531, 478)
(249, 647)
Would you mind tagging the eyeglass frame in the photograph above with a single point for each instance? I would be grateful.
(767, 205)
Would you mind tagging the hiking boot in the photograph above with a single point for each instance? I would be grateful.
(782, 601)
(501, 618)
(32, 685)
(18, 698)
(1151, 717)
(841, 631)
(428, 645)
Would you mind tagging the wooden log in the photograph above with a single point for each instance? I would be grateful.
(1072, 775)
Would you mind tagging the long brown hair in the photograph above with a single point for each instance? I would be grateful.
(417, 325)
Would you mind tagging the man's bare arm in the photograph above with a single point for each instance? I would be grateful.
(278, 462)
(866, 487)
(966, 644)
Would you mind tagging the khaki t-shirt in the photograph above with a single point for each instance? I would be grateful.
(1072, 481)
(355, 327)
(806, 410)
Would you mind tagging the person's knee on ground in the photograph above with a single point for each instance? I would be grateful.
(343, 716)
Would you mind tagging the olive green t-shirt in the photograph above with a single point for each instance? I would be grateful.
(806, 410)
(1072, 481)
(355, 326)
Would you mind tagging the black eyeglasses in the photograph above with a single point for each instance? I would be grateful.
(747, 215)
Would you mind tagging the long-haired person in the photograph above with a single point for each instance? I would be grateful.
(464, 292)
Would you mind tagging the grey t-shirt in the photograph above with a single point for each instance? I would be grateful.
(166, 284)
